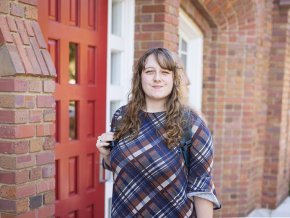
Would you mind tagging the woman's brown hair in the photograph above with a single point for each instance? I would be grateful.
(130, 122)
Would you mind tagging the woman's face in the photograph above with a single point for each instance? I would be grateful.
(157, 83)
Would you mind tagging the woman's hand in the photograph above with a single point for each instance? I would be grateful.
(103, 143)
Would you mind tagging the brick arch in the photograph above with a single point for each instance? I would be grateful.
(230, 48)
(229, 15)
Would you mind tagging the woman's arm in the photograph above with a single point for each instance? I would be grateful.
(107, 160)
(203, 208)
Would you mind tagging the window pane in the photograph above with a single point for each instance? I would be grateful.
(183, 45)
(184, 60)
(73, 120)
(73, 63)
(116, 68)
(117, 18)
(114, 105)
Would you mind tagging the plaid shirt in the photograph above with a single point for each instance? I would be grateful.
(151, 180)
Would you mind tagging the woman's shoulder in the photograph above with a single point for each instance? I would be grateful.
(119, 112)
(118, 115)
(194, 117)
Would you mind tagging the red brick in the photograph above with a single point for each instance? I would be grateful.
(45, 101)
(8, 192)
(39, 57)
(22, 31)
(5, 35)
(46, 211)
(15, 58)
(151, 44)
(49, 198)
(16, 85)
(7, 177)
(22, 205)
(144, 18)
(45, 158)
(7, 101)
(35, 201)
(27, 24)
(163, 18)
(35, 85)
(4, 7)
(38, 34)
(17, 9)
(23, 55)
(7, 205)
(49, 86)
(25, 161)
(45, 185)
(7, 162)
(29, 101)
(8, 116)
(153, 8)
(31, 2)
(21, 176)
(152, 27)
(31, 12)
(11, 24)
(35, 116)
(17, 101)
(13, 147)
(26, 190)
(31, 55)
(45, 129)
(48, 171)
(143, 36)
(25, 214)
(25, 131)
(49, 143)
(19, 131)
(49, 115)
(49, 62)
(35, 173)
(7, 131)
(36, 144)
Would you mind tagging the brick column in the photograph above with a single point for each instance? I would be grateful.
(156, 25)
(276, 169)
(27, 114)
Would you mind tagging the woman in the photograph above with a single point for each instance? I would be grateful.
(143, 149)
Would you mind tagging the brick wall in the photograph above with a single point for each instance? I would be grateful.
(263, 31)
(26, 114)
(245, 94)
(276, 173)
(156, 25)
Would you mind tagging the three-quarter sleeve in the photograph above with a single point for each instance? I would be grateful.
(200, 182)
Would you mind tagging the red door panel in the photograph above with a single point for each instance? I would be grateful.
(76, 34)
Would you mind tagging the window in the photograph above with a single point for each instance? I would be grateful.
(191, 52)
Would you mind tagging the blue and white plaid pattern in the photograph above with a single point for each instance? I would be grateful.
(151, 180)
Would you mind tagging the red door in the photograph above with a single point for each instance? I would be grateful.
(76, 34)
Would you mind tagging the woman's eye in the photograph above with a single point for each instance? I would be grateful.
(149, 71)
(165, 72)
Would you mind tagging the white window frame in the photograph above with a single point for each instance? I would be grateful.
(124, 44)
(190, 32)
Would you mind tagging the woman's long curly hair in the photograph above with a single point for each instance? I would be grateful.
(130, 122)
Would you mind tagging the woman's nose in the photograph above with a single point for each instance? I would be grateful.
(157, 76)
